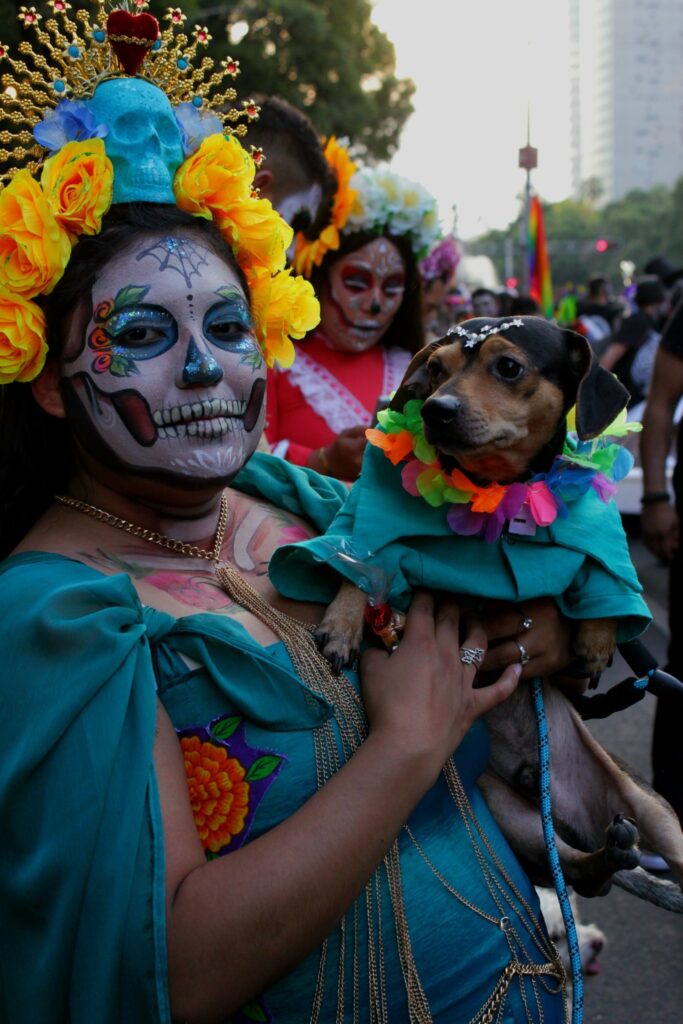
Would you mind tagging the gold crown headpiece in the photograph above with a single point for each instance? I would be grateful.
(122, 116)
(74, 55)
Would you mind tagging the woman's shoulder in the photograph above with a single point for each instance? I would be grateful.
(47, 596)
(33, 570)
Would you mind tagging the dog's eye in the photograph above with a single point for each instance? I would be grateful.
(508, 369)
(435, 369)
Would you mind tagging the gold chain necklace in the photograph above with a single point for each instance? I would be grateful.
(315, 671)
(178, 546)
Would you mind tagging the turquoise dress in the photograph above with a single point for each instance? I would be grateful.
(82, 859)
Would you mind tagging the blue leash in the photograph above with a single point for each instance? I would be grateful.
(553, 857)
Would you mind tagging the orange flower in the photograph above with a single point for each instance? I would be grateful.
(34, 247)
(219, 796)
(103, 310)
(310, 254)
(78, 182)
(22, 339)
(484, 499)
(99, 338)
(395, 446)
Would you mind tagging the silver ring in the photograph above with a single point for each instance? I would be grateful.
(524, 658)
(527, 623)
(471, 655)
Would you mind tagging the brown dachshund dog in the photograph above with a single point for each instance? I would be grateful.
(496, 395)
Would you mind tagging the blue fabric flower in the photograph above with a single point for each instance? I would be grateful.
(195, 126)
(70, 121)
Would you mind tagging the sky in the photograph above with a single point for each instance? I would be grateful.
(479, 66)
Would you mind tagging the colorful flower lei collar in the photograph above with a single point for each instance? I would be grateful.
(483, 511)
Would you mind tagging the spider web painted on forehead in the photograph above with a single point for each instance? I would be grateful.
(179, 254)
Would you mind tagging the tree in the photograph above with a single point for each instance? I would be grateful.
(592, 190)
(645, 223)
(325, 57)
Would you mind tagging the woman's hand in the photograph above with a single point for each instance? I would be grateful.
(544, 634)
(343, 457)
(660, 529)
(304, 873)
(422, 697)
(536, 628)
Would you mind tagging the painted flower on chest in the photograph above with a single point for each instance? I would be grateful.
(227, 779)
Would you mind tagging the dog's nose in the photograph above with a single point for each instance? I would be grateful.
(439, 412)
(596, 946)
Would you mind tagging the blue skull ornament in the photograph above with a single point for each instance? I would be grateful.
(143, 140)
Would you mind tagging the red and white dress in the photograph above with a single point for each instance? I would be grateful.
(326, 391)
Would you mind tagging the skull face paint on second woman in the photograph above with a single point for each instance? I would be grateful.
(362, 295)
(167, 380)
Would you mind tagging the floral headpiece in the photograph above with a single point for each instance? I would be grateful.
(122, 114)
(473, 338)
(441, 261)
(378, 201)
(310, 253)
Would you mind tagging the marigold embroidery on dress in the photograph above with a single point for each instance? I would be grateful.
(227, 779)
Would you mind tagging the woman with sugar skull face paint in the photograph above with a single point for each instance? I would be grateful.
(370, 294)
(200, 819)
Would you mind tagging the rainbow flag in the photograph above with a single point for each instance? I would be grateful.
(540, 282)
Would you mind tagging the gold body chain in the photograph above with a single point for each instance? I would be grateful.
(349, 713)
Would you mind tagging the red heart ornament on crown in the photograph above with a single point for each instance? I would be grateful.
(132, 36)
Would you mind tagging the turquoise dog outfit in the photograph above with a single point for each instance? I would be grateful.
(388, 541)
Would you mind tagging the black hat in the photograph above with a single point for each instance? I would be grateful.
(664, 269)
(649, 291)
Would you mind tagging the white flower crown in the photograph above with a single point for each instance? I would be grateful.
(386, 202)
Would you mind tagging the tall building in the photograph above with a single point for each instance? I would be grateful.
(626, 93)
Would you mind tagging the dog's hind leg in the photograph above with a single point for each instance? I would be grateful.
(588, 872)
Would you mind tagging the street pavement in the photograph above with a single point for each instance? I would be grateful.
(641, 981)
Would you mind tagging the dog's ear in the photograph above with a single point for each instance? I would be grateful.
(600, 396)
(416, 383)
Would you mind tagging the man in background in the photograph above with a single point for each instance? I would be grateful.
(631, 351)
(295, 175)
(660, 524)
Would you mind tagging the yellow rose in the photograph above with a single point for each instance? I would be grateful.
(22, 339)
(311, 254)
(344, 169)
(256, 233)
(219, 173)
(78, 183)
(283, 307)
(34, 247)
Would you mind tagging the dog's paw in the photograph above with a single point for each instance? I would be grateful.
(339, 645)
(594, 644)
(621, 844)
(340, 633)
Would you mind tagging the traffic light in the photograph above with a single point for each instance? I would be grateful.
(605, 244)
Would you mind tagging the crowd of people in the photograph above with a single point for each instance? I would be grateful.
(201, 819)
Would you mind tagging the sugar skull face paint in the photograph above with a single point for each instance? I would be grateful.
(167, 379)
(363, 293)
(299, 209)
